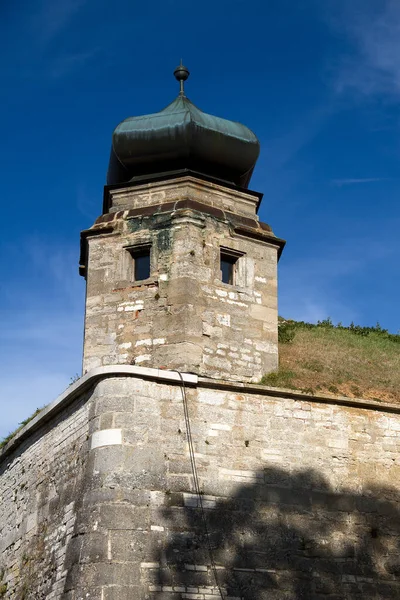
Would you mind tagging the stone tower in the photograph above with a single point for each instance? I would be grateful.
(180, 271)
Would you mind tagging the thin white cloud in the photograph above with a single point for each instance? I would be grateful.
(372, 28)
(356, 181)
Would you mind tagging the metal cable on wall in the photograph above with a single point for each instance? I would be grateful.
(196, 483)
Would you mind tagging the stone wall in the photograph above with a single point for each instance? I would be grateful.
(41, 481)
(300, 495)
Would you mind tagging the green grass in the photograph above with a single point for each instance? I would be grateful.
(21, 425)
(281, 378)
(352, 361)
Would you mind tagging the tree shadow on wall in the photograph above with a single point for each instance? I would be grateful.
(284, 536)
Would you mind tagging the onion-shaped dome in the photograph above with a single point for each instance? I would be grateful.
(181, 136)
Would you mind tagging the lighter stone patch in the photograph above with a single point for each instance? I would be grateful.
(247, 357)
(157, 498)
(221, 426)
(224, 320)
(146, 342)
(132, 307)
(237, 303)
(159, 341)
(125, 345)
(221, 292)
(260, 279)
(157, 528)
(267, 347)
(128, 307)
(142, 358)
(193, 501)
(163, 277)
(106, 437)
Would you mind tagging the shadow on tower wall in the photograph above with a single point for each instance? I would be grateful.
(284, 536)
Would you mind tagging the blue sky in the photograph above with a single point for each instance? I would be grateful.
(318, 82)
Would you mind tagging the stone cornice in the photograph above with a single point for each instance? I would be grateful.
(263, 390)
(179, 178)
(241, 224)
(87, 381)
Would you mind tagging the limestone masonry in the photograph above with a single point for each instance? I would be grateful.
(182, 316)
(300, 494)
(166, 472)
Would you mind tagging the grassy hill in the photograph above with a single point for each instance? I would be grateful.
(358, 362)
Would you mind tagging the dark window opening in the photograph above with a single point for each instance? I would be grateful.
(142, 266)
(228, 268)
(141, 263)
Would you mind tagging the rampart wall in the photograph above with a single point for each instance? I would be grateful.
(41, 483)
(300, 494)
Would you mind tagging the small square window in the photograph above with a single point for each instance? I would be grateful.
(228, 268)
(231, 266)
(141, 262)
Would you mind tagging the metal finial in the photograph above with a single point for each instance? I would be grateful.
(181, 74)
